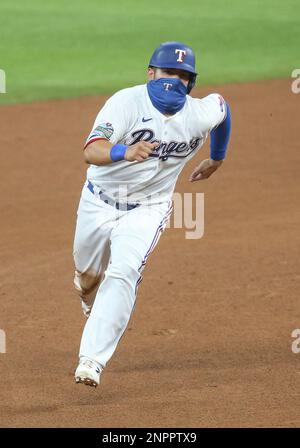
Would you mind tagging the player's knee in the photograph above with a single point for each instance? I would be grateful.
(123, 269)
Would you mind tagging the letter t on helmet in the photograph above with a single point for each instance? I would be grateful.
(175, 55)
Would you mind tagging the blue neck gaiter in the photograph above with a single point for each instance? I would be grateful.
(168, 95)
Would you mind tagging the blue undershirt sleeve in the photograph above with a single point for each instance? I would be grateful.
(219, 137)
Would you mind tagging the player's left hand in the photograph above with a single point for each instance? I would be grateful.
(205, 169)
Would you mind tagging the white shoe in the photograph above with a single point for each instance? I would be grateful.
(86, 308)
(88, 372)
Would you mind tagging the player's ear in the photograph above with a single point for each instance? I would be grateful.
(150, 73)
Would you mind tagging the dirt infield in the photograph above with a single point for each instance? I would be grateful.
(209, 343)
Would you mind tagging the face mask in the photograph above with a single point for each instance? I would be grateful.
(168, 95)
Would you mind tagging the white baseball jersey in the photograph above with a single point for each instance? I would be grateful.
(128, 117)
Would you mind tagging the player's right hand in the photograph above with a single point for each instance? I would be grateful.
(140, 151)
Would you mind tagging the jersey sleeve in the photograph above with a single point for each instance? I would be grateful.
(216, 109)
(112, 122)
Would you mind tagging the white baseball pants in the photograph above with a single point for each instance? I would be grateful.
(111, 248)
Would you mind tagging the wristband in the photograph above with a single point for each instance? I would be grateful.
(117, 152)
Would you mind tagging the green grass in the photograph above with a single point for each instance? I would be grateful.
(60, 49)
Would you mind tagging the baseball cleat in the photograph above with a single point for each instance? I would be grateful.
(86, 309)
(88, 372)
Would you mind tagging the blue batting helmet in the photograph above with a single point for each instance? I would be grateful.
(175, 55)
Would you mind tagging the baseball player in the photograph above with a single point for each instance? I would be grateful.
(140, 141)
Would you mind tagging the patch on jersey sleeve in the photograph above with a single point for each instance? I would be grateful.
(105, 130)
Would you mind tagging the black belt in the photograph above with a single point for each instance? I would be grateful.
(124, 206)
